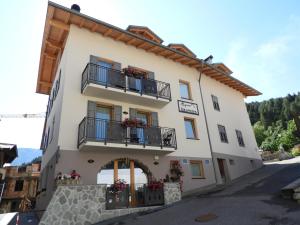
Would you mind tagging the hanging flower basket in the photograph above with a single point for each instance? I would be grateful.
(134, 72)
(132, 123)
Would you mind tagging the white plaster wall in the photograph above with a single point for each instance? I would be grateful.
(233, 115)
(82, 43)
(55, 112)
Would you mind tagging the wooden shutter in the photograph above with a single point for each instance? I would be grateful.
(117, 113)
(91, 123)
(117, 66)
(150, 75)
(154, 119)
(93, 59)
(132, 113)
(91, 109)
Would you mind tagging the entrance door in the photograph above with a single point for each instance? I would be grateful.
(223, 170)
(102, 117)
(103, 71)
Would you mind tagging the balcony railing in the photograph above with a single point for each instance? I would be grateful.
(107, 131)
(107, 77)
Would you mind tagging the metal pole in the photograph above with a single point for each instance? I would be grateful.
(2, 189)
(206, 123)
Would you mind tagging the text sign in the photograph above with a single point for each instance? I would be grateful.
(188, 107)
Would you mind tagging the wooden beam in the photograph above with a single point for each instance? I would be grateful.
(131, 41)
(142, 45)
(49, 55)
(94, 28)
(182, 59)
(170, 55)
(115, 169)
(54, 44)
(45, 83)
(152, 49)
(120, 37)
(106, 33)
(81, 23)
(58, 24)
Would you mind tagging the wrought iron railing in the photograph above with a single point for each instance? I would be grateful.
(108, 131)
(108, 77)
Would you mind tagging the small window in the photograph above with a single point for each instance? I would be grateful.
(231, 162)
(240, 138)
(190, 128)
(52, 130)
(185, 91)
(215, 102)
(19, 185)
(197, 169)
(223, 135)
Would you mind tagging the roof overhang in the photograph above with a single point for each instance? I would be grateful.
(56, 31)
(10, 152)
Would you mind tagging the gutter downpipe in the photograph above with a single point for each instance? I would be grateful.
(206, 123)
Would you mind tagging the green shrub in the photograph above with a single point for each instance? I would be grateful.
(296, 151)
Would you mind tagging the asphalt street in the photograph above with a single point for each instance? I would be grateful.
(253, 199)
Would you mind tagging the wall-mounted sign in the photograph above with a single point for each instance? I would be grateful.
(188, 107)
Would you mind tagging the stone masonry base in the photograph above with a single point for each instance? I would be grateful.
(85, 204)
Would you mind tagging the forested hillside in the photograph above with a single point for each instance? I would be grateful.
(276, 122)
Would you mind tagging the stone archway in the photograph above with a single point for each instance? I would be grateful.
(133, 172)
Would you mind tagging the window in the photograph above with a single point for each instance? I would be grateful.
(240, 138)
(19, 185)
(222, 132)
(185, 91)
(197, 169)
(52, 130)
(215, 102)
(190, 128)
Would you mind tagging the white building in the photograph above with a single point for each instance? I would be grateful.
(102, 81)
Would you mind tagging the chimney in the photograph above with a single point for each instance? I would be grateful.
(209, 59)
(75, 7)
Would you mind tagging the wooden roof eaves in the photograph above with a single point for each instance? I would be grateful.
(109, 26)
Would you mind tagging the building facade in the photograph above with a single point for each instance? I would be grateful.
(21, 183)
(124, 106)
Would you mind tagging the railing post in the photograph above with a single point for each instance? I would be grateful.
(126, 137)
(170, 98)
(105, 131)
(161, 138)
(156, 82)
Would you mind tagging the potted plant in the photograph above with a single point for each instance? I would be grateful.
(117, 195)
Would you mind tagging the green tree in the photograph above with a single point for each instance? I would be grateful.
(259, 132)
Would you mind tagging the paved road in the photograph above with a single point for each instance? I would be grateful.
(251, 200)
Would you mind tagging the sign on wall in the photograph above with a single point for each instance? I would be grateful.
(188, 107)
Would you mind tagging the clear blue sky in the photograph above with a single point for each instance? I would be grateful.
(258, 40)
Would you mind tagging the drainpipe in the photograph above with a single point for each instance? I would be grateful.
(206, 123)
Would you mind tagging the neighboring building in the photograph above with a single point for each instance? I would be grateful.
(20, 182)
(103, 80)
(8, 152)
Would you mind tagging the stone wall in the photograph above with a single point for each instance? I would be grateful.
(172, 193)
(85, 204)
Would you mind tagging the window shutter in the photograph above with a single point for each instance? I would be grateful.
(132, 113)
(117, 113)
(93, 59)
(117, 66)
(151, 75)
(154, 118)
(91, 109)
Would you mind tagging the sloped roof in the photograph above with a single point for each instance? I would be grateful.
(56, 31)
(144, 32)
(182, 48)
(223, 67)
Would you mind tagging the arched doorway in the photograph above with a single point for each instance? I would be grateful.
(131, 171)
